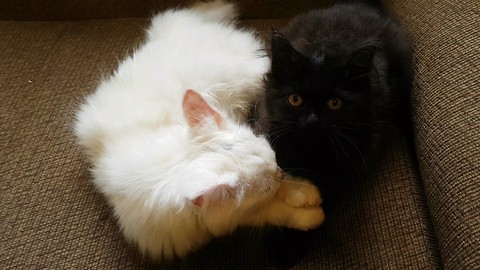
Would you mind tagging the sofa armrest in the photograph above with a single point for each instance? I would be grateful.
(446, 111)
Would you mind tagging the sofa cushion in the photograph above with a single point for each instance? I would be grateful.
(446, 112)
(52, 217)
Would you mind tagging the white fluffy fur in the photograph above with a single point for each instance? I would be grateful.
(173, 182)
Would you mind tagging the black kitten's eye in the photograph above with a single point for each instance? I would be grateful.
(295, 100)
(335, 104)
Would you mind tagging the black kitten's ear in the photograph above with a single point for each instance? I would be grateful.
(360, 62)
(285, 59)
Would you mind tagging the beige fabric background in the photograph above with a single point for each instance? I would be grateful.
(397, 218)
(447, 115)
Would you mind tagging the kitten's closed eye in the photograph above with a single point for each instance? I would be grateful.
(295, 100)
(227, 146)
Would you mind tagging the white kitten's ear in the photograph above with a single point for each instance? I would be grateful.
(196, 109)
(215, 195)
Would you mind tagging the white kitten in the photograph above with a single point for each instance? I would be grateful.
(176, 165)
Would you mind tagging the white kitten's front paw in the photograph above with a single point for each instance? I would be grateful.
(298, 192)
(306, 218)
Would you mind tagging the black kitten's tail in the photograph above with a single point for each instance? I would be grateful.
(375, 4)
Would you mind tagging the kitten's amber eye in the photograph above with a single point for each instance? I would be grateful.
(335, 104)
(295, 100)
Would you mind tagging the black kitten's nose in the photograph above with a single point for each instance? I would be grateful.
(312, 119)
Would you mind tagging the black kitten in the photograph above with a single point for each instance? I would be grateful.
(338, 79)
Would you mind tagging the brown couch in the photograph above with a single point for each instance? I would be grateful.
(411, 213)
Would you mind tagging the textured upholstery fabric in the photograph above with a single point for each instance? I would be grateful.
(446, 110)
(52, 217)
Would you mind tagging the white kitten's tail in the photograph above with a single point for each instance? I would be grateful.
(216, 11)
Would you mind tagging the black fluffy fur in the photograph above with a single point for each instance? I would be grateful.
(351, 52)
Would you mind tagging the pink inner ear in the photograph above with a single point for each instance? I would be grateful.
(215, 195)
(196, 109)
(198, 201)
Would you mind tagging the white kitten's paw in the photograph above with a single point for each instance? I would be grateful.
(298, 192)
(306, 218)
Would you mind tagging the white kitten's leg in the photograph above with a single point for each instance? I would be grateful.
(296, 205)
(301, 218)
(298, 192)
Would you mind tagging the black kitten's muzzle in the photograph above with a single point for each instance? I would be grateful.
(312, 119)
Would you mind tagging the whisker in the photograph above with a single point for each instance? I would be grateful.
(334, 147)
(336, 136)
(291, 169)
(277, 131)
(349, 140)
(350, 129)
(360, 124)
